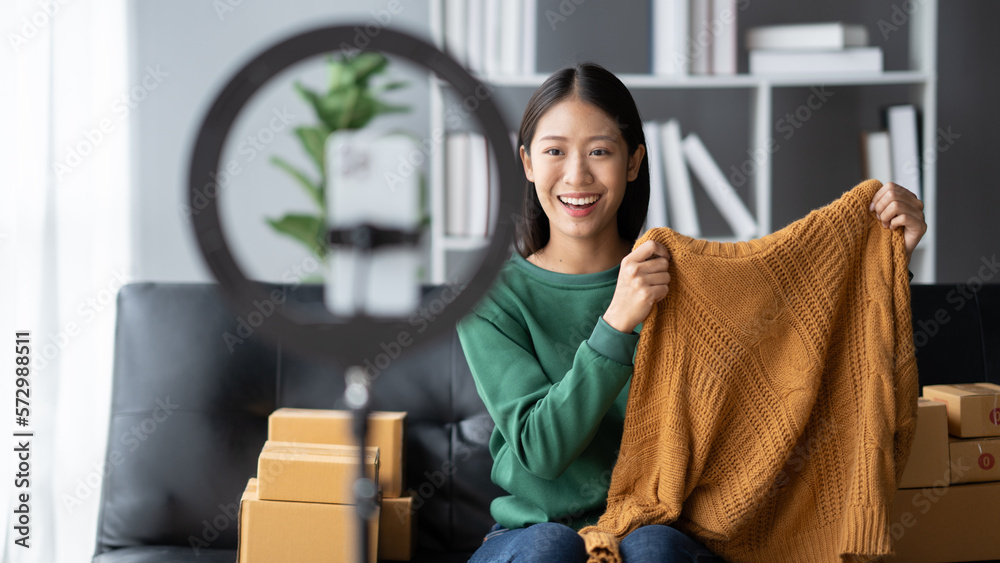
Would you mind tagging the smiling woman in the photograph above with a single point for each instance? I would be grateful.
(558, 408)
(581, 110)
(580, 164)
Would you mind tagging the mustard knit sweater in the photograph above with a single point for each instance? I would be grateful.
(774, 395)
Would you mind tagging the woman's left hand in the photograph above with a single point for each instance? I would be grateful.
(896, 206)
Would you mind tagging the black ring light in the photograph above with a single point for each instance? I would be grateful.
(343, 340)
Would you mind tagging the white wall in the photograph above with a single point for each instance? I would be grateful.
(193, 47)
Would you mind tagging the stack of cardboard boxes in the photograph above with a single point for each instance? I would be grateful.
(948, 505)
(300, 507)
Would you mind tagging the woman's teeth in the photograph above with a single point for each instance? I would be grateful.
(579, 200)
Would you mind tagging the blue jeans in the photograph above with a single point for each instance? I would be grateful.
(556, 543)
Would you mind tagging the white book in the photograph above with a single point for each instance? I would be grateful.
(491, 37)
(669, 37)
(656, 216)
(457, 184)
(478, 186)
(510, 37)
(718, 188)
(855, 60)
(876, 155)
(700, 43)
(902, 122)
(475, 36)
(724, 39)
(821, 36)
(456, 26)
(529, 50)
(683, 214)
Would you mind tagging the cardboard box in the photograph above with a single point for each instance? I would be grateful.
(385, 431)
(973, 408)
(312, 472)
(928, 464)
(397, 529)
(304, 532)
(957, 523)
(975, 460)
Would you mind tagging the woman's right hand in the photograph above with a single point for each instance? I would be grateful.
(642, 281)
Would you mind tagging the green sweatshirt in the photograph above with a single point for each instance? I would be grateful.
(554, 377)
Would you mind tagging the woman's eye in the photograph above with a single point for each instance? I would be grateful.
(599, 152)
(553, 152)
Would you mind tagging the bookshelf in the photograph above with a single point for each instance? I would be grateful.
(919, 80)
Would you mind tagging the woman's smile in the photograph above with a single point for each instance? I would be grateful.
(578, 204)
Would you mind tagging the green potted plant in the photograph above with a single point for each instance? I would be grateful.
(350, 102)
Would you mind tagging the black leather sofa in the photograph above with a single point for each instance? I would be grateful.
(189, 417)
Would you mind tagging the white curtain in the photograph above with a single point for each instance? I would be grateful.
(64, 252)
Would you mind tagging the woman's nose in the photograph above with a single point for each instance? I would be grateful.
(577, 172)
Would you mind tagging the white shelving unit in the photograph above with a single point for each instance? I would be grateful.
(922, 76)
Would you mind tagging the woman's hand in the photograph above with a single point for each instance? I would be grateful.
(895, 206)
(642, 281)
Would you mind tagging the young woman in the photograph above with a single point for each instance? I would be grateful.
(551, 346)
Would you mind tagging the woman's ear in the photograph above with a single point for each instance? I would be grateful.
(526, 162)
(634, 161)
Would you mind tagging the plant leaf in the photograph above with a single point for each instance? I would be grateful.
(311, 188)
(313, 139)
(395, 85)
(307, 229)
(367, 64)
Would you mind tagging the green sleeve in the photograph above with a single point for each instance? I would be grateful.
(546, 425)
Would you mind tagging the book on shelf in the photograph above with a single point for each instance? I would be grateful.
(529, 47)
(722, 194)
(876, 158)
(828, 36)
(656, 216)
(456, 25)
(493, 37)
(457, 146)
(475, 36)
(852, 60)
(683, 214)
(904, 144)
(467, 185)
(723, 27)
(478, 185)
(669, 37)
(699, 49)
(492, 20)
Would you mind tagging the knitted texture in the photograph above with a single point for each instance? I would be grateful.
(774, 395)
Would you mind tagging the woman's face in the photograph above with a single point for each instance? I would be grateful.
(580, 165)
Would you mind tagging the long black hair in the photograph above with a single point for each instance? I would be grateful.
(594, 84)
